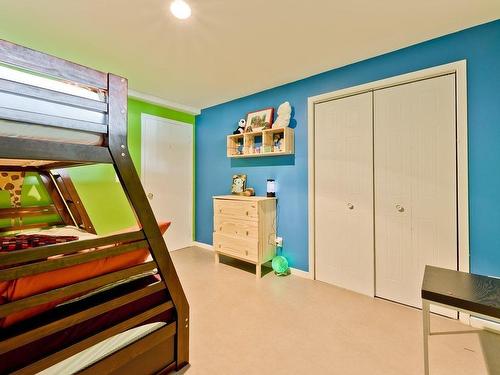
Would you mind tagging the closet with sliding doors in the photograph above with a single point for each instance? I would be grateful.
(385, 187)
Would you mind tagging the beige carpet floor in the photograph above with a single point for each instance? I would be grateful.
(291, 325)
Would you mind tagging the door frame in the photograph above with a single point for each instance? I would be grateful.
(459, 68)
(176, 122)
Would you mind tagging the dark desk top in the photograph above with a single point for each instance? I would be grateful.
(475, 293)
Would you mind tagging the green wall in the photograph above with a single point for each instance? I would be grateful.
(97, 185)
(99, 189)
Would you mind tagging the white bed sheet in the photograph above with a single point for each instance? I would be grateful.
(67, 230)
(95, 353)
(14, 129)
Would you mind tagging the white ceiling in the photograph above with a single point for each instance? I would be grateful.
(229, 48)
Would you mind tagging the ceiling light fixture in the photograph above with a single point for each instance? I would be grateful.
(180, 9)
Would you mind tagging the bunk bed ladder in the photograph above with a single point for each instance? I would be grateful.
(66, 200)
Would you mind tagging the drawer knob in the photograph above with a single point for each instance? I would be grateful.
(220, 246)
(247, 213)
(246, 252)
(220, 210)
(247, 233)
(220, 229)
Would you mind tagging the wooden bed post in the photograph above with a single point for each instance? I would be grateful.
(118, 94)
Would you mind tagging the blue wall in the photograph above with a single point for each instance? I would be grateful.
(479, 45)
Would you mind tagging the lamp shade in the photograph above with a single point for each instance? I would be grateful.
(271, 187)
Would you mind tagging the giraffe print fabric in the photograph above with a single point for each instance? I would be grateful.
(13, 183)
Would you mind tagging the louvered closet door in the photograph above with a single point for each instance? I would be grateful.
(415, 185)
(344, 193)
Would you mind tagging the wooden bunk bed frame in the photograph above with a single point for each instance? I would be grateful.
(167, 348)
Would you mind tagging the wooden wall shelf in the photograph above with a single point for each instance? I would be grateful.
(261, 143)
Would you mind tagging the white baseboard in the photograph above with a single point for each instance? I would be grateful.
(484, 324)
(300, 273)
(203, 245)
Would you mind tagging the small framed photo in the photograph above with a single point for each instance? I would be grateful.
(239, 184)
(259, 120)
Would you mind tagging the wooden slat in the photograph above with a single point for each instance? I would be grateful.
(23, 226)
(35, 334)
(62, 164)
(29, 149)
(130, 352)
(74, 289)
(23, 89)
(87, 343)
(43, 252)
(53, 121)
(39, 62)
(167, 370)
(133, 188)
(11, 212)
(68, 261)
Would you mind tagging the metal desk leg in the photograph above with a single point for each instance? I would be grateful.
(426, 315)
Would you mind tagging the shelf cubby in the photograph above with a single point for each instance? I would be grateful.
(269, 142)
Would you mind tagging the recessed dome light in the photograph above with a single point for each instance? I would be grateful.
(180, 9)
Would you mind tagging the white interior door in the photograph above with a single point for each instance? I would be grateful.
(344, 193)
(167, 176)
(415, 185)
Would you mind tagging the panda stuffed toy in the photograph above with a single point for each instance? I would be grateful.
(241, 127)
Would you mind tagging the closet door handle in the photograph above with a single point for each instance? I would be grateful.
(350, 206)
(400, 208)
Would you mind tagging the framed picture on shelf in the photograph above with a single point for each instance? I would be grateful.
(239, 184)
(259, 120)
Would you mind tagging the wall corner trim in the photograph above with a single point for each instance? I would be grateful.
(163, 102)
(203, 245)
(300, 273)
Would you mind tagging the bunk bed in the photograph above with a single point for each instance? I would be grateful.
(118, 306)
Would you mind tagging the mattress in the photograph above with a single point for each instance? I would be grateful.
(13, 129)
(67, 230)
(13, 290)
(13, 101)
(95, 353)
(38, 349)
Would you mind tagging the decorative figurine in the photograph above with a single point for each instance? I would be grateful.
(284, 116)
(241, 127)
(239, 184)
(277, 143)
(249, 192)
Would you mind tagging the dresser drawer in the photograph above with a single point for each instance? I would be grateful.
(236, 227)
(236, 209)
(237, 247)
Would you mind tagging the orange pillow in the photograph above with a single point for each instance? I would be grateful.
(42, 282)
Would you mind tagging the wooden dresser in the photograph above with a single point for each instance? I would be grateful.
(245, 228)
